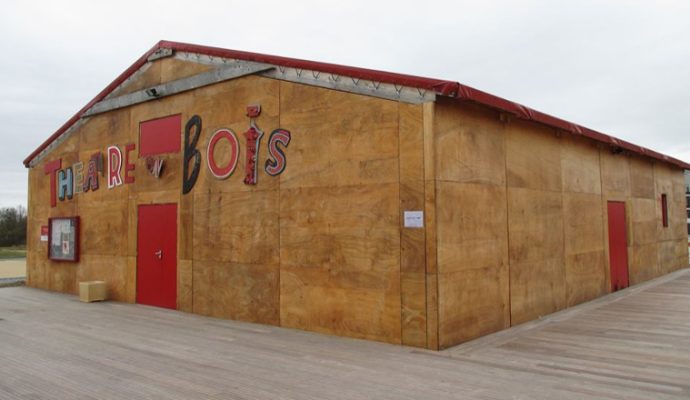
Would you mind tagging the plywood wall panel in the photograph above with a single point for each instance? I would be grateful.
(33, 232)
(580, 167)
(36, 272)
(61, 277)
(340, 260)
(236, 291)
(535, 224)
(537, 267)
(411, 142)
(31, 258)
(667, 257)
(185, 281)
(470, 144)
(39, 192)
(338, 139)
(131, 286)
(533, 157)
(472, 226)
(432, 313)
(350, 228)
(537, 288)
(586, 276)
(615, 174)
(185, 227)
(412, 251)
(338, 302)
(412, 240)
(103, 226)
(108, 268)
(413, 308)
(643, 262)
(681, 252)
(585, 254)
(103, 130)
(472, 303)
(428, 110)
(237, 227)
(583, 223)
(641, 177)
(645, 223)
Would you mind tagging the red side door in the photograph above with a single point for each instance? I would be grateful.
(157, 255)
(618, 245)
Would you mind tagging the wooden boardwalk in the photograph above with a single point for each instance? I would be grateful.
(634, 344)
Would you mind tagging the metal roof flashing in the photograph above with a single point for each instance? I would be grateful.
(389, 85)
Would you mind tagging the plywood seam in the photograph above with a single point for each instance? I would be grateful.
(426, 236)
(191, 295)
(505, 171)
(400, 232)
(427, 126)
(280, 264)
(604, 223)
(563, 227)
(474, 182)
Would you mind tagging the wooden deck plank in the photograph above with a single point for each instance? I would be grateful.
(634, 344)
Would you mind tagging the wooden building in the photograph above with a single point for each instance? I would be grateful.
(342, 200)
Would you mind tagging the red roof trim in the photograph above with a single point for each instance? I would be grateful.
(441, 87)
(526, 113)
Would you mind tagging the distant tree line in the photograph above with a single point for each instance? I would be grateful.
(12, 226)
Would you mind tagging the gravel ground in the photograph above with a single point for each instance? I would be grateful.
(13, 268)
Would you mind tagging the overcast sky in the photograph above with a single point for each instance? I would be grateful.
(620, 67)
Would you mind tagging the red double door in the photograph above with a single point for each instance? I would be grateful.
(618, 245)
(157, 255)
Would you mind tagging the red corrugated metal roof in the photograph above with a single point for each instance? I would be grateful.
(441, 87)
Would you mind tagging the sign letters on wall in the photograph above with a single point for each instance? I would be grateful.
(274, 166)
(190, 152)
(118, 167)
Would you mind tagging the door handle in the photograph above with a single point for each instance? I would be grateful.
(159, 254)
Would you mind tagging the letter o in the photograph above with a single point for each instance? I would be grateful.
(224, 172)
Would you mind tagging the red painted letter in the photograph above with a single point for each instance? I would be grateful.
(50, 168)
(253, 136)
(224, 172)
(91, 181)
(129, 166)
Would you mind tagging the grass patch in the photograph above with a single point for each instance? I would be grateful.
(12, 252)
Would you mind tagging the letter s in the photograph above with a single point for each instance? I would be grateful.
(277, 163)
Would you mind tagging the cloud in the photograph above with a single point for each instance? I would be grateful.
(620, 67)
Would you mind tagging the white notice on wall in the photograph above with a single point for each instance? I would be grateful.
(414, 219)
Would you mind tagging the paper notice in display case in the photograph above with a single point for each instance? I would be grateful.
(63, 239)
(414, 219)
